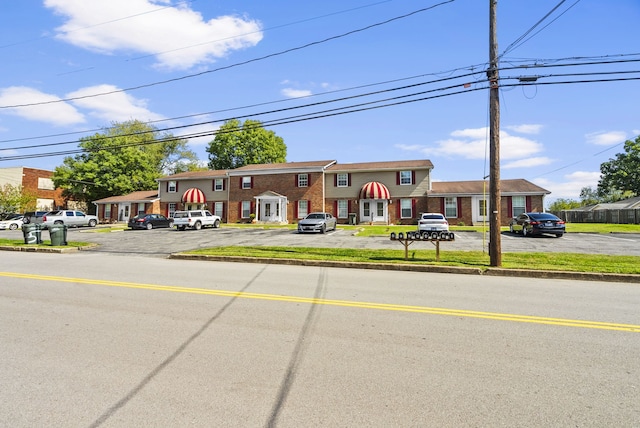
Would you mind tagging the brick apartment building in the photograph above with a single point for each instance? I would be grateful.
(36, 181)
(394, 192)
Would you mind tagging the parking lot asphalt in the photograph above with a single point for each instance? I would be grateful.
(163, 242)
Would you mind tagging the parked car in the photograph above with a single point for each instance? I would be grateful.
(34, 217)
(149, 221)
(195, 219)
(537, 224)
(69, 218)
(433, 222)
(317, 222)
(12, 223)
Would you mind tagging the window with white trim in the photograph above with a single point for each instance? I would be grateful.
(218, 208)
(45, 184)
(246, 182)
(343, 208)
(172, 209)
(303, 209)
(246, 209)
(303, 180)
(451, 207)
(342, 180)
(107, 211)
(218, 185)
(141, 208)
(172, 186)
(406, 177)
(518, 205)
(406, 208)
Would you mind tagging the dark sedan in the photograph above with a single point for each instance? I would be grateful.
(317, 222)
(149, 221)
(530, 224)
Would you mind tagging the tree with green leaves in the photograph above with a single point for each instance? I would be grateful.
(15, 199)
(238, 144)
(562, 204)
(127, 157)
(620, 176)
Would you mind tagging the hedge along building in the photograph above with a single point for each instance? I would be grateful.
(380, 192)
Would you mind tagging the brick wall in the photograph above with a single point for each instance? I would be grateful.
(30, 182)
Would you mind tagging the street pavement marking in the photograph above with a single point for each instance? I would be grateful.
(631, 328)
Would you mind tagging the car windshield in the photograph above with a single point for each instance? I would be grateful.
(315, 216)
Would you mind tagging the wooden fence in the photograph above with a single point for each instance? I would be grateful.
(627, 216)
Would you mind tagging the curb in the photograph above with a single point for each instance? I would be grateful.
(56, 250)
(514, 273)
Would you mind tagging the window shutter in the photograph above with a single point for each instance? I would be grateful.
(399, 209)
(349, 206)
(528, 203)
(335, 180)
(459, 203)
(309, 210)
(224, 184)
(252, 182)
(335, 208)
(349, 179)
(295, 209)
(213, 184)
(413, 208)
(240, 209)
(413, 177)
(177, 183)
(241, 182)
(167, 187)
(442, 205)
(252, 207)
(510, 206)
(398, 178)
(297, 183)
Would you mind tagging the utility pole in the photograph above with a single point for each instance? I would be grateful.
(495, 245)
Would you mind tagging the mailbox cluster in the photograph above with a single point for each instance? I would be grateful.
(422, 236)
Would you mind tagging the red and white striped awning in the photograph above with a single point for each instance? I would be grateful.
(193, 196)
(374, 190)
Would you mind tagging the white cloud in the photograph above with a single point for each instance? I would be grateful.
(118, 106)
(56, 113)
(177, 36)
(527, 163)
(296, 93)
(572, 184)
(606, 138)
(525, 129)
(473, 143)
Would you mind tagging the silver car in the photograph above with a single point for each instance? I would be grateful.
(317, 222)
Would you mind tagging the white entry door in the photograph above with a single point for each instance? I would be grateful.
(373, 210)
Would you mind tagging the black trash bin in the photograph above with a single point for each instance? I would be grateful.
(58, 234)
(32, 233)
(352, 218)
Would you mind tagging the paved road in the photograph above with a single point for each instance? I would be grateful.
(161, 242)
(97, 339)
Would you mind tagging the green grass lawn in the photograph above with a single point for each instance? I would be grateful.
(532, 261)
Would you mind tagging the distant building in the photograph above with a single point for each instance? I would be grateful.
(121, 208)
(38, 181)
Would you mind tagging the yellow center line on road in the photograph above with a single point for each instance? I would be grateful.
(344, 303)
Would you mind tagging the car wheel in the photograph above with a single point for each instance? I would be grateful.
(216, 224)
(13, 226)
(170, 224)
(324, 228)
(558, 235)
(149, 226)
(58, 222)
(198, 225)
(511, 228)
(524, 231)
(92, 223)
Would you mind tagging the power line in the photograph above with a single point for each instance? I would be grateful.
(189, 76)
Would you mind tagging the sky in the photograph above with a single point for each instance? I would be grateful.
(351, 81)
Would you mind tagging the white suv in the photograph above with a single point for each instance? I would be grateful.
(195, 219)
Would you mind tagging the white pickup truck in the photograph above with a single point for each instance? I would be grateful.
(69, 218)
(195, 219)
